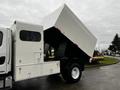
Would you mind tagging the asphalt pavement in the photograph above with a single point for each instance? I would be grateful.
(99, 78)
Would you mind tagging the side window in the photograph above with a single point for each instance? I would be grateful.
(30, 36)
(1, 38)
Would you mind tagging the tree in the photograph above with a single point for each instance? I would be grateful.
(115, 47)
(112, 48)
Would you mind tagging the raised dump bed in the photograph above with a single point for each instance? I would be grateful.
(63, 26)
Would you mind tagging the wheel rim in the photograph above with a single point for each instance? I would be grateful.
(75, 73)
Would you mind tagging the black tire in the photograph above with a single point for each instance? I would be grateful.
(67, 72)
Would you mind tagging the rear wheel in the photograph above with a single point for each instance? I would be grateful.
(72, 73)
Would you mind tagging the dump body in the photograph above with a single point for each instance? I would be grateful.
(71, 26)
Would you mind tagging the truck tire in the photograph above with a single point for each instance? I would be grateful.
(71, 73)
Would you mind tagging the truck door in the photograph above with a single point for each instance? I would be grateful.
(28, 50)
(29, 44)
(3, 55)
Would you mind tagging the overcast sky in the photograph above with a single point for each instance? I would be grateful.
(101, 17)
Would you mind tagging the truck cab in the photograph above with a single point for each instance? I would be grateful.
(5, 57)
(5, 50)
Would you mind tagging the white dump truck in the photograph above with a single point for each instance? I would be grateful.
(61, 44)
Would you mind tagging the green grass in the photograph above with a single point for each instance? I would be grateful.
(108, 61)
(104, 62)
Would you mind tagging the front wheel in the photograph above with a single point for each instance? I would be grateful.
(72, 73)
